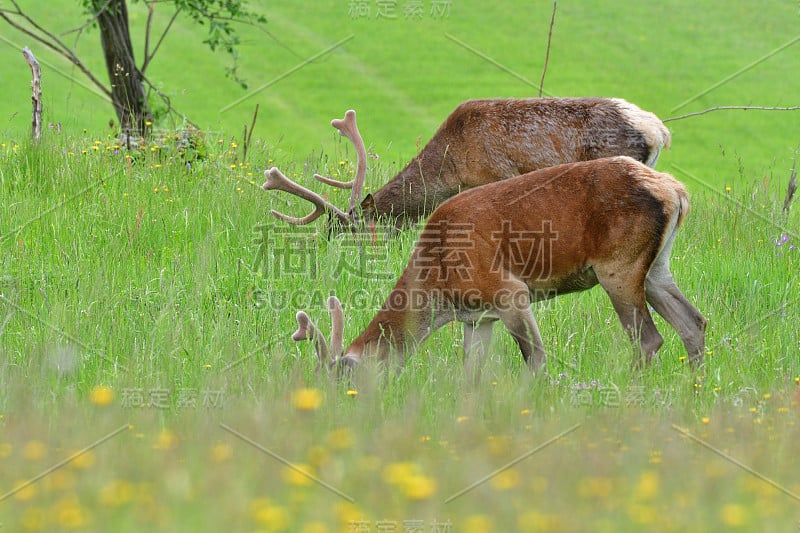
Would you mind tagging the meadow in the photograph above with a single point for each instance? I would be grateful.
(147, 376)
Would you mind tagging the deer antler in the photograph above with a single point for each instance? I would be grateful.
(307, 330)
(348, 128)
(278, 182)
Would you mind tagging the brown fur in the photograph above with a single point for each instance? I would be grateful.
(483, 141)
(488, 252)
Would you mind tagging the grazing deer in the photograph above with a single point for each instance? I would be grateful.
(489, 252)
(483, 141)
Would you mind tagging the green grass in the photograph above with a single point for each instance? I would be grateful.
(146, 284)
(135, 278)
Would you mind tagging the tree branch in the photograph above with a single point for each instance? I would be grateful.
(54, 43)
(89, 22)
(728, 107)
(148, 58)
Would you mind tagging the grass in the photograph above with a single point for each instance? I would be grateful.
(148, 299)
(138, 303)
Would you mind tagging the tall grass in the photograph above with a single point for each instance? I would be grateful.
(135, 299)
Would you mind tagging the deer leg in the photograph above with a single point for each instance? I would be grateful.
(518, 319)
(477, 340)
(666, 298)
(627, 295)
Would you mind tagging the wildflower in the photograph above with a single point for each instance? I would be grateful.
(505, 480)
(352, 393)
(101, 395)
(299, 475)
(34, 450)
(307, 399)
(116, 493)
(648, 485)
(272, 517)
(477, 524)
(705, 420)
(733, 515)
(221, 452)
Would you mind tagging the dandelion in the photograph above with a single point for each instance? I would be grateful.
(84, 460)
(221, 452)
(272, 517)
(24, 490)
(648, 485)
(299, 475)
(352, 392)
(477, 524)
(506, 480)
(101, 395)
(166, 440)
(116, 493)
(705, 420)
(307, 399)
(34, 450)
(733, 515)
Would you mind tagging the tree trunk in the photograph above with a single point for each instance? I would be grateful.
(127, 90)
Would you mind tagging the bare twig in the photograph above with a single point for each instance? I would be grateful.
(547, 51)
(248, 136)
(89, 22)
(729, 107)
(36, 93)
(149, 57)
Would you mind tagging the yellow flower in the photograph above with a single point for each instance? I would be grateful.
(116, 493)
(648, 485)
(34, 519)
(307, 399)
(314, 527)
(298, 475)
(705, 420)
(352, 392)
(477, 524)
(166, 440)
(419, 487)
(407, 477)
(733, 515)
(272, 517)
(23, 492)
(84, 460)
(70, 513)
(101, 395)
(221, 452)
(506, 480)
(34, 450)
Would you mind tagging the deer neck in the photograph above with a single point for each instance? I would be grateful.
(421, 186)
(404, 321)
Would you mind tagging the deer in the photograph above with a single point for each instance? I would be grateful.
(483, 141)
(488, 253)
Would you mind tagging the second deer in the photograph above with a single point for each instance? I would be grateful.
(483, 141)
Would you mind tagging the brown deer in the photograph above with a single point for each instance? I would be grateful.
(483, 141)
(489, 252)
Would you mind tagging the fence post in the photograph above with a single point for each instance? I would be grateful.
(36, 93)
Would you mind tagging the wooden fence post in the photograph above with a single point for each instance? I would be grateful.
(36, 94)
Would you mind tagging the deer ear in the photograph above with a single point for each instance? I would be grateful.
(368, 209)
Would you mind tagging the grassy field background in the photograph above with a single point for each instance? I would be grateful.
(147, 378)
